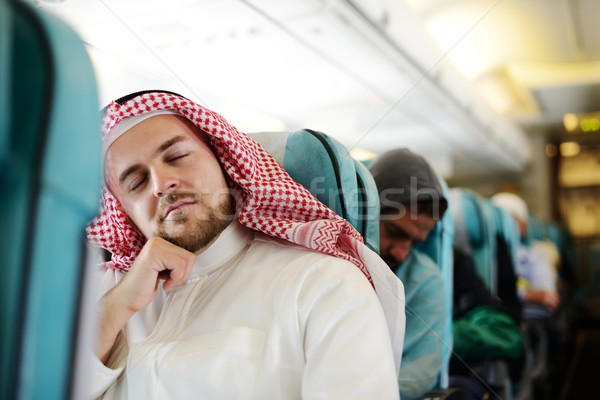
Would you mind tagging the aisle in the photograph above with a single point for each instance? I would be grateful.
(581, 376)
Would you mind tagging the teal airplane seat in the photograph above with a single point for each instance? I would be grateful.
(474, 232)
(50, 160)
(476, 227)
(438, 246)
(324, 166)
(505, 226)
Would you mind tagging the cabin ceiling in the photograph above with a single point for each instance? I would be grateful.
(463, 82)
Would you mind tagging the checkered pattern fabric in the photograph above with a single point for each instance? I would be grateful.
(271, 202)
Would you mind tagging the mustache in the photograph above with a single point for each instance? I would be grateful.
(167, 200)
(172, 197)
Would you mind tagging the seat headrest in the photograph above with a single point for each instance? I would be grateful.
(474, 222)
(467, 215)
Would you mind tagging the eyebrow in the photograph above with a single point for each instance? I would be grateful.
(161, 149)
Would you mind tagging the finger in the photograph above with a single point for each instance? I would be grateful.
(178, 275)
(179, 271)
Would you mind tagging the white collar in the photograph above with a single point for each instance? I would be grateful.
(228, 244)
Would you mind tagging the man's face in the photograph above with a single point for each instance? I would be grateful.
(399, 232)
(169, 182)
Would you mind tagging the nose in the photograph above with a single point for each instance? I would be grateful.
(163, 182)
(399, 250)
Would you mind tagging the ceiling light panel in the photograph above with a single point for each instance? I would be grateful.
(480, 35)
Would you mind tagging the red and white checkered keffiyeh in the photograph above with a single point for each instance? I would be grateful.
(271, 202)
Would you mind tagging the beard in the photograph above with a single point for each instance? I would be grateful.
(202, 231)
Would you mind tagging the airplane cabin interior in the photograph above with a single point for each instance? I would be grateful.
(497, 95)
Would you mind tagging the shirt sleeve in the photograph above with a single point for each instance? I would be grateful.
(425, 324)
(103, 376)
(346, 340)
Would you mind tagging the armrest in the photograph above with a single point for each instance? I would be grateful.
(491, 376)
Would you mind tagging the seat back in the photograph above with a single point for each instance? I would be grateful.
(368, 211)
(438, 246)
(478, 224)
(474, 232)
(50, 160)
(324, 166)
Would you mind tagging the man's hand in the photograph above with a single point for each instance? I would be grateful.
(159, 259)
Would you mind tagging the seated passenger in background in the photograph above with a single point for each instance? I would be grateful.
(536, 284)
(412, 202)
(548, 251)
(483, 329)
(229, 280)
(536, 277)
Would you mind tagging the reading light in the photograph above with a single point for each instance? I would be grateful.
(571, 122)
(569, 149)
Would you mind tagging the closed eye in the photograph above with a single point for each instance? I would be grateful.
(175, 158)
(137, 182)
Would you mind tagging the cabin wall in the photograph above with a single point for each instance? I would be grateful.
(534, 183)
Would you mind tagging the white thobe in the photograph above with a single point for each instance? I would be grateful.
(259, 318)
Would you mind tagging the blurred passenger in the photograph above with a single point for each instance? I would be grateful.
(536, 285)
(220, 286)
(536, 277)
(549, 252)
(412, 202)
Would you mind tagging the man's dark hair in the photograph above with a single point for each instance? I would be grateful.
(432, 208)
(407, 183)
